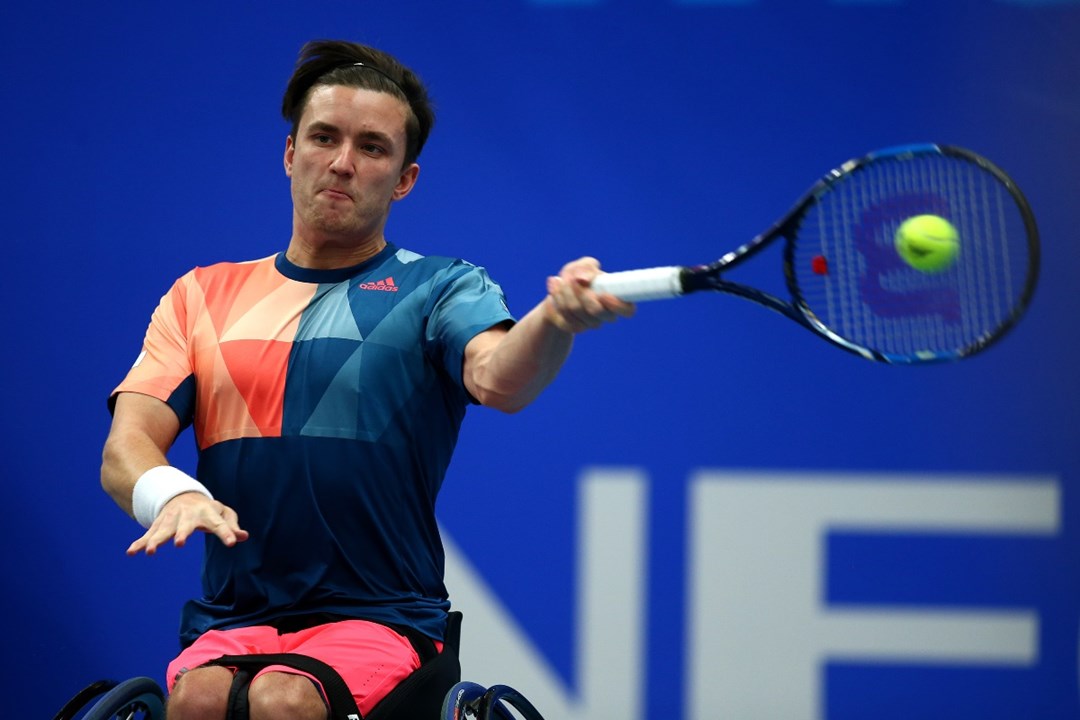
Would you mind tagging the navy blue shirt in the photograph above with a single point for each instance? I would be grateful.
(326, 407)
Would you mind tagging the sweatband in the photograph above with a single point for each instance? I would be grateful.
(157, 486)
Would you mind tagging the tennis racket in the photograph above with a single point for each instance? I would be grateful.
(849, 283)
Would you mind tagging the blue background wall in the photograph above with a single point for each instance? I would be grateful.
(143, 138)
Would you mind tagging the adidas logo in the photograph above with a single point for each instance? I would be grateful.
(386, 285)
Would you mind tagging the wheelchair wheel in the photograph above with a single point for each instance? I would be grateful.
(470, 701)
(460, 702)
(136, 699)
(494, 701)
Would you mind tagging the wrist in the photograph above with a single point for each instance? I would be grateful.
(157, 486)
(553, 317)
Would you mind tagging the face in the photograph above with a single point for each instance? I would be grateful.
(346, 165)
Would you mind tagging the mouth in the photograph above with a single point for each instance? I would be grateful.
(335, 193)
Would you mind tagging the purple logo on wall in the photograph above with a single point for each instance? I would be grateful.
(890, 287)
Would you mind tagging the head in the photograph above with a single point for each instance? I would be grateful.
(336, 62)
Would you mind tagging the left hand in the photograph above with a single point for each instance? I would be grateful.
(185, 514)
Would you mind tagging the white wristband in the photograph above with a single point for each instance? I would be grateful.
(157, 486)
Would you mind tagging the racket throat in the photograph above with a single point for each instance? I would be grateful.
(698, 278)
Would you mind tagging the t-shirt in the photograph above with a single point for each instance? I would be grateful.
(325, 405)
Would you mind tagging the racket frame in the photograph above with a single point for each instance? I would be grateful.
(709, 277)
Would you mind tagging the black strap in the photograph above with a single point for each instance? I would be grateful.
(421, 694)
(422, 644)
(338, 696)
(237, 707)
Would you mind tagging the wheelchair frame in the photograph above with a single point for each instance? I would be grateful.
(141, 698)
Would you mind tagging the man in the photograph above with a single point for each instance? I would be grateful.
(326, 386)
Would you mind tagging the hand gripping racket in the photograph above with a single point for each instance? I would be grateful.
(849, 282)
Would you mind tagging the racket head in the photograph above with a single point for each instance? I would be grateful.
(849, 283)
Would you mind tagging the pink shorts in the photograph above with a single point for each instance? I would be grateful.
(371, 658)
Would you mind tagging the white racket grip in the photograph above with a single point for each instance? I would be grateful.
(637, 285)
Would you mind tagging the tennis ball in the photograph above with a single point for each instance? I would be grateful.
(928, 243)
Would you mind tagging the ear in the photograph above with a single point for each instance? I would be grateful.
(290, 150)
(406, 181)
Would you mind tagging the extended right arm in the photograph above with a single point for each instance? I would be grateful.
(143, 429)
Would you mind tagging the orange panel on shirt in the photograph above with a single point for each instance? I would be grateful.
(242, 349)
(258, 369)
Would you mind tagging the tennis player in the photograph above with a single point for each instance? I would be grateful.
(325, 385)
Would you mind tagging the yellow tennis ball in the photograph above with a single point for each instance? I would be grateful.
(928, 243)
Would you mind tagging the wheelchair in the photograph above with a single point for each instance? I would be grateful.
(421, 695)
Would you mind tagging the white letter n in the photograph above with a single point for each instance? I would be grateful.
(758, 628)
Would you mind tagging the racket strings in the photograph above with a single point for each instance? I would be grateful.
(853, 282)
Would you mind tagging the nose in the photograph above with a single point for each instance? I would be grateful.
(342, 162)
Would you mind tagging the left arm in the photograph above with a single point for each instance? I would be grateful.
(507, 368)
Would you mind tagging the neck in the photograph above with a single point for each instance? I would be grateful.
(327, 254)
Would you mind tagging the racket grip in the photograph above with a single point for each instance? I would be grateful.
(637, 285)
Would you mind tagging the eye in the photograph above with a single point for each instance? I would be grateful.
(322, 139)
(373, 149)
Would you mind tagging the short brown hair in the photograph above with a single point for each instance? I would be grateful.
(338, 62)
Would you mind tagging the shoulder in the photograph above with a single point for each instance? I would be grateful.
(231, 267)
(441, 270)
(226, 272)
(430, 263)
(200, 284)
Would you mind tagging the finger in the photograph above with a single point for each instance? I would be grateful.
(184, 528)
(621, 308)
(578, 308)
(138, 546)
(575, 293)
(221, 529)
(609, 302)
(160, 532)
(233, 520)
(554, 285)
(207, 518)
(583, 269)
(554, 303)
(567, 312)
(592, 308)
(223, 522)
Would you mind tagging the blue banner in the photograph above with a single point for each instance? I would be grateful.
(711, 513)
